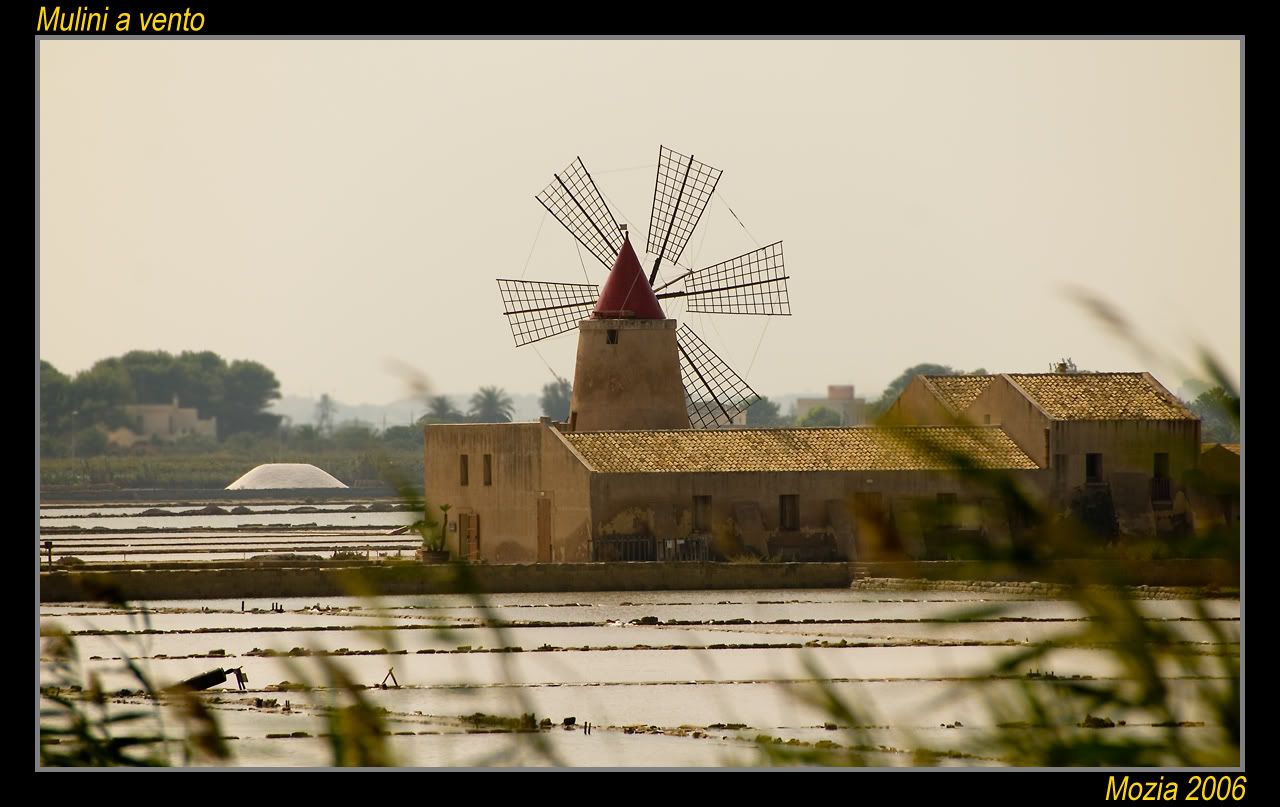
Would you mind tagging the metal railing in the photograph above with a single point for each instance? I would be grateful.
(627, 548)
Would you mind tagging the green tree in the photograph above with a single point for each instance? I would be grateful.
(1219, 413)
(55, 399)
(353, 434)
(491, 405)
(764, 412)
(100, 393)
(820, 418)
(555, 399)
(403, 437)
(248, 388)
(201, 379)
(155, 375)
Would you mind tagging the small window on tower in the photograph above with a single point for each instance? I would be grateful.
(488, 469)
(611, 336)
(462, 471)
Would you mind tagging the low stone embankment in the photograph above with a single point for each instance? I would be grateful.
(389, 578)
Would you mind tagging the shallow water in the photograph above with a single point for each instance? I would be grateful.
(578, 657)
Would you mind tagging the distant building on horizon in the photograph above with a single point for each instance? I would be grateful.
(167, 422)
(841, 400)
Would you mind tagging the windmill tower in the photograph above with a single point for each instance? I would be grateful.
(637, 368)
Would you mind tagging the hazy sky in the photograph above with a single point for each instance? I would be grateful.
(331, 208)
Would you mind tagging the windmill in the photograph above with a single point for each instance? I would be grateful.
(751, 283)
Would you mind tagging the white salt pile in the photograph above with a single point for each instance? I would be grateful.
(283, 476)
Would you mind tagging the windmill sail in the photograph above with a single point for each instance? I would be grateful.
(537, 309)
(754, 283)
(681, 193)
(576, 202)
(713, 392)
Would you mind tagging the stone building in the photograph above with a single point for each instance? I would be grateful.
(1122, 435)
(840, 400)
(535, 491)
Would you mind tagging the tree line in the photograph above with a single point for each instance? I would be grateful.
(84, 406)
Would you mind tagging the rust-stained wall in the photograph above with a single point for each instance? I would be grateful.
(917, 406)
(529, 462)
(661, 504)
(631, 384)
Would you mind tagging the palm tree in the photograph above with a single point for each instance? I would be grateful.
(491, 405)
(441, 410)
(325, 410)
(556, 398)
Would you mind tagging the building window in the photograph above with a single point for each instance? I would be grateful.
(488, 469)
(611, 336)
(462, 471)
(986, 420)
(702, 514)
(1092, 467)
(789, 512)
(1161, 470)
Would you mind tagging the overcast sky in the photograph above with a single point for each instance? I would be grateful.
(337, 209)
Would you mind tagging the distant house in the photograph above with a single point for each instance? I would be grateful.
(841, 400)
(168, 422)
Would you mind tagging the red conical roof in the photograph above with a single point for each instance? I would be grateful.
(627, 290)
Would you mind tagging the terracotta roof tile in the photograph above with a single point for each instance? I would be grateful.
(859, 448)
(1101, 396)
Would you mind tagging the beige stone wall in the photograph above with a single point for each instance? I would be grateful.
(633, 383)
(507, 507)
(917, 406)
(1127, 446)
(529, 461)
(567, 481)
(1003, 404)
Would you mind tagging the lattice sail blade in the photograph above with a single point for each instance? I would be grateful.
(576, 202)
(681, 193)
(714, 394)
(539, 310)
(754, 283)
